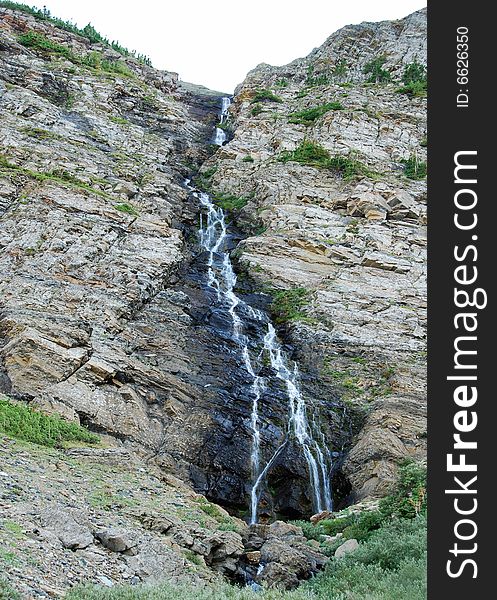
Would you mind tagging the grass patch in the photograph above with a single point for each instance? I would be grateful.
(414, 168)
(248, 159)
(126, 208)
(95, 60)
(310, 115)
(57, 175)
(228, 202)
(38, 133)
(289, 305)
(118, 120)
(265, 96)
(7, 592)
(314, 155)
(22, 422)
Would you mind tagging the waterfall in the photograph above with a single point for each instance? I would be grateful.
(220, 134)
(221, 278)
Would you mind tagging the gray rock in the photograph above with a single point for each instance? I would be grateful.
(118, 541)
(69, 526)
(346, 548)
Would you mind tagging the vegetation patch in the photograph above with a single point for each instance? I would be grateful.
(119, 120)
(248, 159)
(22, 422)
(265, 96)
(7, 592)
(389, 563)
(203, 180)
(313, 80)
(314, 155)
(289, 305)
(309, 115)
(414, 168)
(57, 175)
(89, 32)
(228, 202)
(414, 80)
(126, 208)
(256, 110)
(94, 60)
(377, 74)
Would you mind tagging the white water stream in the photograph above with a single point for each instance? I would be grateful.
(220, 134)
(221, 278)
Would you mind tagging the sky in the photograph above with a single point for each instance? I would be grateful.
(216, 43)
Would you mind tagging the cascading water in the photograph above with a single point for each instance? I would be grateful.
(220, 134)
(221, 278)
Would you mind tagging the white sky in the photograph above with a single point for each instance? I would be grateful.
(217, 43)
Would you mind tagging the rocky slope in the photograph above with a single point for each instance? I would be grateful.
(354, 246)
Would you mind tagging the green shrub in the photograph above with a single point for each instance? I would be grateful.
(22, 422)
(309, 115)
(364, 524)
(414, 168)
(414, 72)
(39, 42)
(340, 69)
(282, 83)
(228, 202)
(89, 32)
(311, 531)
(314, 155)
(248, 159)
(410, 497)
(118, 120)
(265, 96)
(414, 80)
(288, 305)
(256, 110)
(95, 60)
(308, 153)
(376, 72)
(397, 540)
(313, 80)
(415, 89)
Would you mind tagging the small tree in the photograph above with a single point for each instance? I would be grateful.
(414, 72)
(377, 74)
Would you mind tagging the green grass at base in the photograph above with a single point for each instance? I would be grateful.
(22, 422)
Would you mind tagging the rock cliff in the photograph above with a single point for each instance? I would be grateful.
(320, 155)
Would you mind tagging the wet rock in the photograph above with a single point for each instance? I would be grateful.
(254, 557)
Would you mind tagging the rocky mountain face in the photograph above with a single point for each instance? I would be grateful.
(351, 242)
(106, 319)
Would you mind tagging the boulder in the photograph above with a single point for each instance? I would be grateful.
(68, 526)
(117, 540)
(346, 548)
